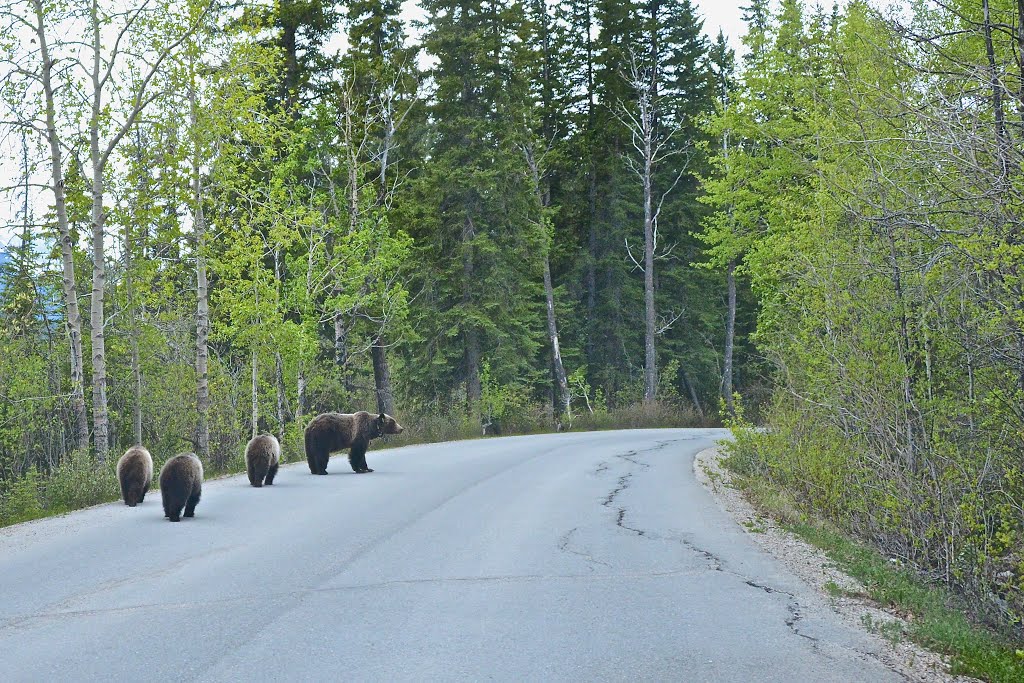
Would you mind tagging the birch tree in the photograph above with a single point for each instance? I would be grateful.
(43, 79)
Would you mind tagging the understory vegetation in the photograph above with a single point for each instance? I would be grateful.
(78, 481)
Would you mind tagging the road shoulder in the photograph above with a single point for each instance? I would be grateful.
(820, 574)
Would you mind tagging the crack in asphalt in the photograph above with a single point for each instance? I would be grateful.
(794, 618)
(715, 563)
(564, 545)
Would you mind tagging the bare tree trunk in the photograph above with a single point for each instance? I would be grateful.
(378, 352)
(730, 336)
(474, 390)
(282, 392)
(300, 389)
(300, 379)
(1020, 60)
(133, 333)
(590, 277)
(382, 377)
(649, 120)
(97, 322)
(282, 397)
(542, 189)
(68, 282)
(471, 336)
(340, 342)
(906, 355)
(646, 143)
(1002, 142)
(692, 390)
(202, 293)
(564, 397)
(650, 368)
(255, 396)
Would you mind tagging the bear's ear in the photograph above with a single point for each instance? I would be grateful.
(381, 417)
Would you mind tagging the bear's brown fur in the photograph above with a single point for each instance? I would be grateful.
(331, 432)
(262, 454)
(181, 484)
(135, 474)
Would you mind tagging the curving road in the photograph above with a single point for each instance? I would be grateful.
(589, 556)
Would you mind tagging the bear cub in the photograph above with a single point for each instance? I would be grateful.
(135, 474)
(332, 432)
(262, 455)
(181, 484)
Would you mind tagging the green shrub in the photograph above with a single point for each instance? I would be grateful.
(79, 481)
(21, 501)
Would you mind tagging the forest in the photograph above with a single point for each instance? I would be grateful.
(521, 216)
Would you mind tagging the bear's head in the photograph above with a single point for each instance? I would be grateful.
(387, 425)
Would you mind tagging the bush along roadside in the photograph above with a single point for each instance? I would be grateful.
(942, 615)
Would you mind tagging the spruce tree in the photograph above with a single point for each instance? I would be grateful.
(478, 244)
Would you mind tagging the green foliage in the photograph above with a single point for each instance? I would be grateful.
(503, 407)
(79, 482)
(21, 501)
(888, 305)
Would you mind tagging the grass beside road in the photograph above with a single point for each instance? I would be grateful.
(934, 617)
(79, 482)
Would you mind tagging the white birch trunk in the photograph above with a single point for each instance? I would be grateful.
(97, 322)
(68, 280)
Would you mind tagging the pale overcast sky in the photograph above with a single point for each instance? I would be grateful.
(720, 14)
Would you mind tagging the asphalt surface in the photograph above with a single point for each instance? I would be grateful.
(590, 556)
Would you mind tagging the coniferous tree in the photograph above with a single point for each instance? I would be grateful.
(477, 239)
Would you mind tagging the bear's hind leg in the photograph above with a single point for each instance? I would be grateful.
(190, 505)
(317, 460)
(173, 512)
(271, 473)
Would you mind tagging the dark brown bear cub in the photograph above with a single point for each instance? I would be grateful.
(135, 474)
(181, 484)
(262, 454)
(331, 432)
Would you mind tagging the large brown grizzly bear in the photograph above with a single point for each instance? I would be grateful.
(181, 484)
(262, 454)
(331, 432)
(135, 474)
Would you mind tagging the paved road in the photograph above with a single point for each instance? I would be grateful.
(592, 556)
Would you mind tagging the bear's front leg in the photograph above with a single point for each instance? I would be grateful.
(357, 458)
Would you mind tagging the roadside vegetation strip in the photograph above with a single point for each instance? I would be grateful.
(931, 615)
(78, 482)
